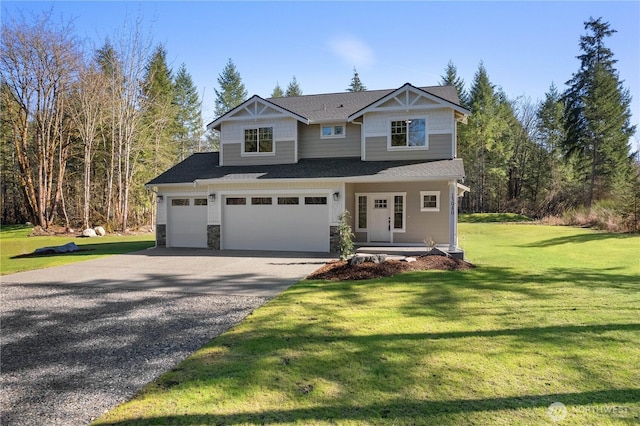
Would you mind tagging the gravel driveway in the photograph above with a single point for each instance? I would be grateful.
(70, 353)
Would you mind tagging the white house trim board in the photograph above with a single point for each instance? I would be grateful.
(406, 103)
(254, 108)
(453, 215)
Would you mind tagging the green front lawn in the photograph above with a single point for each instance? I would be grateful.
(15, 240)
(550, 315)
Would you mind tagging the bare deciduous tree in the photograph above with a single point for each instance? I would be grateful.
(37, 63)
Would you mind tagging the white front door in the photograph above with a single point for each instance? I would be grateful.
(381, 220)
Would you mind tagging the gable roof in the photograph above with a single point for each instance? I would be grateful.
(345, 106)
(443, 96)
(204, 167)
(254, 101)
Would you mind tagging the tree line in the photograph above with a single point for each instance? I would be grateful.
(571, 150)
(84, 129)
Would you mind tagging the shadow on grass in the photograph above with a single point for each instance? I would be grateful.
(119, 247)
(583, 238)
(401, 410)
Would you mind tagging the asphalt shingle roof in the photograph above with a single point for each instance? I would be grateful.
(202, 166)
(339, 106)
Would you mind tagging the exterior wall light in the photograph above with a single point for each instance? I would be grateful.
(336, 196)
(160, 198)
(212, 197)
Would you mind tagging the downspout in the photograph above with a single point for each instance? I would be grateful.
(362, 149)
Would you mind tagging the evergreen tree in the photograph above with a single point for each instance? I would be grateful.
(293, 89)
(597, 116)
(189, 130)
(232, 91)
(277, 91)
(451, 78)
(159, 112)
(356, 85)
(483, 149)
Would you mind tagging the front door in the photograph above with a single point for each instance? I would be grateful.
(381, 220)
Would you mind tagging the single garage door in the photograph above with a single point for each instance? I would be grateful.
(187, 222)
(278, 222)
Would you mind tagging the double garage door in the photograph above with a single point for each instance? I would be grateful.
(298, 222)
(275, 222)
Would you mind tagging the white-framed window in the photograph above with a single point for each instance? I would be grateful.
(332, 131)
(408, 133)
(258, 140)
(429, 201)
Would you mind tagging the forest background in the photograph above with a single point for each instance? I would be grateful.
(83, 129)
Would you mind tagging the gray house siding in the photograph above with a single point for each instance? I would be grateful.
(310, 145)
(419, 225)
(284, 154)
(440, 148)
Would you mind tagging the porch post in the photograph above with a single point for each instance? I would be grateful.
(453, 215)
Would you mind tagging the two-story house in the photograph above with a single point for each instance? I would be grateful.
(288, 167)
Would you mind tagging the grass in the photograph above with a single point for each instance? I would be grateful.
(550, 315)
(15, 240)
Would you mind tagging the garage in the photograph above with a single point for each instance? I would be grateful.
(297, 222)
(187, 222)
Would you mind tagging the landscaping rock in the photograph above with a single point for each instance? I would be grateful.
(359, 258)
(89, 233)
(436, 252)
(66, 248)
(100, 231)
(409, 259)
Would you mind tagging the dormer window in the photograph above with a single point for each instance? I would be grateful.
(258, 140)
(408, 133)
(332, 131)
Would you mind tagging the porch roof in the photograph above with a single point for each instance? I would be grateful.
(204, 168)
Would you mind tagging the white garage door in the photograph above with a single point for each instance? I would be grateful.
(187, 222)
(286, 223)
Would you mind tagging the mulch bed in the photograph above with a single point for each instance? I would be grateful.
(340, 270)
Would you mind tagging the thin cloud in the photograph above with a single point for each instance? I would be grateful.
(352, 50)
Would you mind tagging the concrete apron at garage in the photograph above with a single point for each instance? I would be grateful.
(200, 271)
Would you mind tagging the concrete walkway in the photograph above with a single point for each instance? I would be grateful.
(199, 271)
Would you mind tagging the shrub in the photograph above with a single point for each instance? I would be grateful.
(346, 236)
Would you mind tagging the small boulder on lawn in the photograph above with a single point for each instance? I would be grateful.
(89, 233)
(100, 231)
(66, 248)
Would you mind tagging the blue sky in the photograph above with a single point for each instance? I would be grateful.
(525, 46)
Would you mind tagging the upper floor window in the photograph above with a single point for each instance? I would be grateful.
(408, 133)
(328, 131)
(258, 140)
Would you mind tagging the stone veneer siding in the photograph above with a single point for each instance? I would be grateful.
(161, 235)
(334, 239)
(213, 237)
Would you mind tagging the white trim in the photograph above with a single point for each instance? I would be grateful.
(246, 105)
(258, 127)
(333, 126)
(429, 193)
(396, 94)
(408, 118)
(370, 201)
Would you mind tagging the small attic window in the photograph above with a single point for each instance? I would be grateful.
(332, 131)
